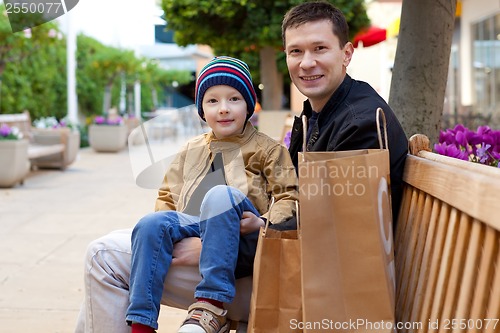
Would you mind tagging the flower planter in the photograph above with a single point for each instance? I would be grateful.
(107, 138)
(71, 140)
(14, 163)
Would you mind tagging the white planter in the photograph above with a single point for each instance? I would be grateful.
(107, 138)
(71, 139)
(14, 163)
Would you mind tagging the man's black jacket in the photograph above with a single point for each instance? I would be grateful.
(347, 122)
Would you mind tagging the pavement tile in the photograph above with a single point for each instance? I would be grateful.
(45, 227)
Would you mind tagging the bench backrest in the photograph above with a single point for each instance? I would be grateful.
(20, 120)
(448, 243)
(273, 122)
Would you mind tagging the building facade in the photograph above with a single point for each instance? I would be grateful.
(474, 77)
(473, 87)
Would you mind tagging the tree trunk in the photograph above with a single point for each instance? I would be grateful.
(130, 100)
(272, 80)
(106, 105)
(421, 65)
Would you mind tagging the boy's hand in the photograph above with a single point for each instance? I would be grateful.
(187, 252)
(250, 223)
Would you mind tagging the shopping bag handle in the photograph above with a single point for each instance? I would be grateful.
(297, 215)
(304, 133)
(381, 114)
(269, 216)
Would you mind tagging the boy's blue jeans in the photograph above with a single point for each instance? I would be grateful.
(218, 225)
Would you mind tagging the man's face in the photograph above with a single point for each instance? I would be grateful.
(316, 62)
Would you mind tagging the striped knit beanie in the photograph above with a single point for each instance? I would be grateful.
(229, 72)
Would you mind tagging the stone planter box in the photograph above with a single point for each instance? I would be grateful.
(14, 162)
(70, 139)
(108, 138)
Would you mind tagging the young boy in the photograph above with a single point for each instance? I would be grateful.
(218, 188)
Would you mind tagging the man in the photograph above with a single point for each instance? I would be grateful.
(341, 114)
(340, 111)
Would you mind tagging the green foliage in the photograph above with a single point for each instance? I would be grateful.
(90, 85)
(100, 66)
(154, 79)
(33, 66)
(32, 70)
(241, 27)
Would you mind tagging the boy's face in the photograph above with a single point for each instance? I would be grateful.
(316, 62)
(225, 110)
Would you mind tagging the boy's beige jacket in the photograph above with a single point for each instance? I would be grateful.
(253, 162)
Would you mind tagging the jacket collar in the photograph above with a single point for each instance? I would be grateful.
(232, 142)
(337, 98)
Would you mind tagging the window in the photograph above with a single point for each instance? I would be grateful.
(486, 65)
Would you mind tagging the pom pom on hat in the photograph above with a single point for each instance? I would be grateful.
(230, 72)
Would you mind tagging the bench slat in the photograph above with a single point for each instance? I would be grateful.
(456, 247)
(484, 274)
(445, 267)
(411, 263)
(426, 264)
(473, 193)
(470, 271)
(494, 304)
(456, 268)
(36, 151)
(435, 261)
(47, 147)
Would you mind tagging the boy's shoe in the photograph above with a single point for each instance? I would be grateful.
(204, 317)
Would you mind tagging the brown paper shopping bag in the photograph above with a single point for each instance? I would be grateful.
(346, 240)
(276, 302)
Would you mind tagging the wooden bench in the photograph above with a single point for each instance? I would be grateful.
(447, 244)
(48, 148)
(275, 123)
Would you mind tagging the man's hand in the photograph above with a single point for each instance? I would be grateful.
(187, 252)
(250, 223)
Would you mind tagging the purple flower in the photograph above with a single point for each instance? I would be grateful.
(446, 137)
(9, 133)
(451, 151)
(496, 136)
(460, 128)
(483, 130)
(461, 139)
(99, 120)
(481, 146)
(482, 153)
(287, 138)
(115, 121)
(5, 130)
(483, 135)
(495, 155)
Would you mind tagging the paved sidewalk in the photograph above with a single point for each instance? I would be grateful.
(45, 226)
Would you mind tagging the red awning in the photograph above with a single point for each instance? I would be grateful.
(370, 36)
